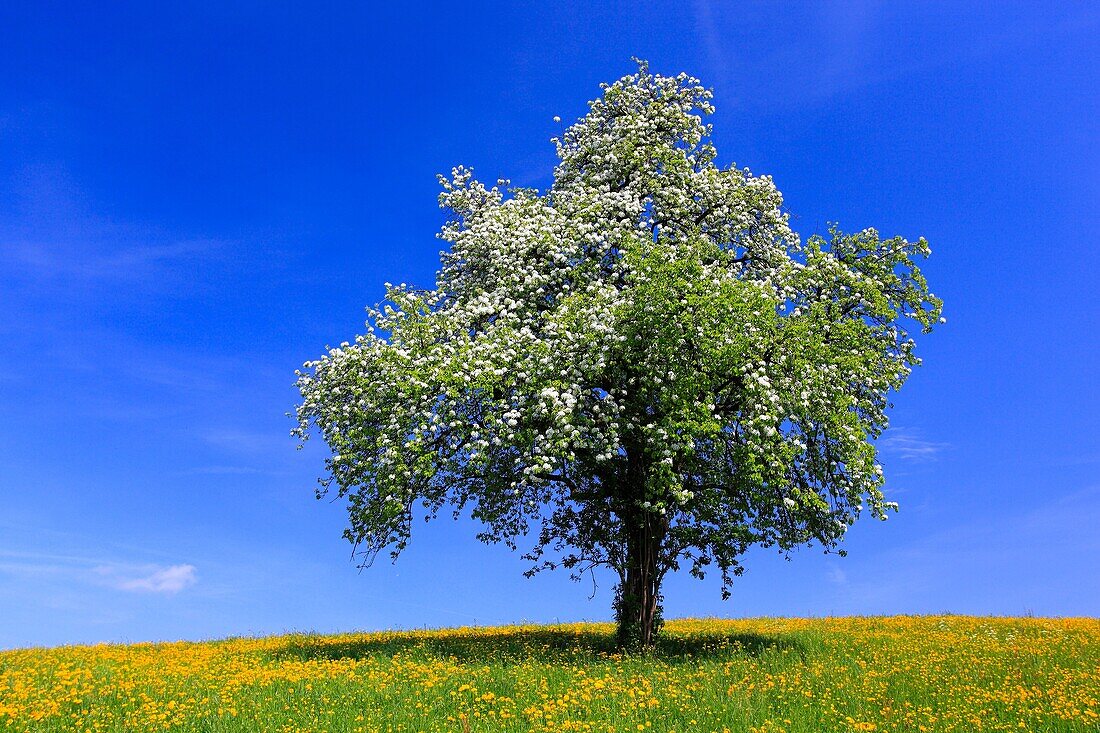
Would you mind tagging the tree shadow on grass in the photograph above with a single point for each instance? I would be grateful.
(517, 645)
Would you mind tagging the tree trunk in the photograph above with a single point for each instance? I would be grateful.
(638, 600)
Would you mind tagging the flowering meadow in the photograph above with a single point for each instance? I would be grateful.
(947, 673)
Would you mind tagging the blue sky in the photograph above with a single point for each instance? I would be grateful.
(195, 199)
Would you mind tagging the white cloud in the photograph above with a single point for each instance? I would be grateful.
(836, 575)
(244, 441)
(226, 470)
(168, 580)
(909, 446)
(85, 261)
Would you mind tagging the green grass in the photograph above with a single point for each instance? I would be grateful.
(947, 673)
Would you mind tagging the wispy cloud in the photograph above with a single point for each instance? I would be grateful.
(227, 471)
(77, 570)
(843, 49)
(999, 563)
(91, 261)
(54, 217)
(836, 575)
(246, 441)
(712, 42)
(166, 580)
(909, 446)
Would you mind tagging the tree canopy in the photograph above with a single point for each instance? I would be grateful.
(643, 367)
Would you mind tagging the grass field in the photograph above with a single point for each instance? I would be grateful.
(948, 673)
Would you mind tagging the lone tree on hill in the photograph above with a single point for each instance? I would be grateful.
(644, 364)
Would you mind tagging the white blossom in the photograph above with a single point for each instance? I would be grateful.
(647, 338)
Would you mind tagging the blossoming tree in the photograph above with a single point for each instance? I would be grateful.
(642, 368)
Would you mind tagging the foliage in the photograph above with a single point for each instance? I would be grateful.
(644, 363)
(837, 675)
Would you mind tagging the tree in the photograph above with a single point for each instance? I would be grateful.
(643, 366)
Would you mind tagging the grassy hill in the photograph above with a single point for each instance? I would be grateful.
(907, 674)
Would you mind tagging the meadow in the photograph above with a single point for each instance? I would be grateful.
(947, 673)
